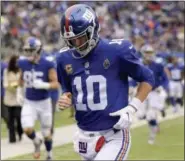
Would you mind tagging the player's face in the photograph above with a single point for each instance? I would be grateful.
(31, 54)
(80, 42)
(174, 60)
(148, 56)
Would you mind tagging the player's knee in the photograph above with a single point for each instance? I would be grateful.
(152, 122)
(48, 138)
(179, 101)
(28, 130)
(46, 132)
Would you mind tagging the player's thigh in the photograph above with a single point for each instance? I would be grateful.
(45, 113)
(28, 114)
(172, 89)
(179, 88)
(117, 147)
(141, 113)
(151, 114)
(156, 101)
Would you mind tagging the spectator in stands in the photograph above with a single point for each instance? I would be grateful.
(157, 22)
(10, 83)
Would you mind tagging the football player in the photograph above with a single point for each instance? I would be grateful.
(176, 83)
(94, 77)
(38, 76)
(156, 99)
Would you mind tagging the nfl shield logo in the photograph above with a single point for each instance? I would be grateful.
(69, 69)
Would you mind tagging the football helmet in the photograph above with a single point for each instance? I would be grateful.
(147, 52)
(32, 46)
(80, 28)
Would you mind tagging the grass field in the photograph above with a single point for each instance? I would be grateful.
(61, 119)
(169, 144)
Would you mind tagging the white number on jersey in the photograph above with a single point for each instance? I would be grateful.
(116, 41)
(64, 49)
(90, 93)
(29, 77)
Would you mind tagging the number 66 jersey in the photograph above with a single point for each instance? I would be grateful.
(99, 81)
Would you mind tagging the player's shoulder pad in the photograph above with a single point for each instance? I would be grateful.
(127, 50)
(64, 50)
(22, 60)
(159, 60)
(169, 65)
(120, 44)
(62, 53)
(49, 58)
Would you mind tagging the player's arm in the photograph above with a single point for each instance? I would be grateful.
(52, 77)
(165, 78)
(21, 81)
(130, 65)
(182, 75)
(65, 100)
(167, 72)
(53, 84)
(135, 69)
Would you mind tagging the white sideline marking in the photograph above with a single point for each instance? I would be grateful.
(63, 135)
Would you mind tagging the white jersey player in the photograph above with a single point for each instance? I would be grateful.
(156, 99)
(176, 83)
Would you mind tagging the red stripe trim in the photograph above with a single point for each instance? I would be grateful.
(67, 15)
(126, 144)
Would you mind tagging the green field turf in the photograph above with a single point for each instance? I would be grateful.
(169, 144)
(61, 119)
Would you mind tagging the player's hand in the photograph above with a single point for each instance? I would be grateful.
(126, 114)
(19, 96)
(125, 120)
(39, 84)
(65, 101)
(159, 89)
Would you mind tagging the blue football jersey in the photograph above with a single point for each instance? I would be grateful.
(99, 81)
(176, 71)
(160, 76)
(34, 72)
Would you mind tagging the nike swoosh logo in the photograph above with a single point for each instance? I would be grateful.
(131, 47)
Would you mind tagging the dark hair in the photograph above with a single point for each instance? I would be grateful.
(12, 65)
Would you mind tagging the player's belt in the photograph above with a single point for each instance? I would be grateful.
(176, 80)
(105, 133)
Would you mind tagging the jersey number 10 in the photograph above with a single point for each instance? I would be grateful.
(90, 93)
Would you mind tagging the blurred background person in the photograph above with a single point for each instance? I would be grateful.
(4, 113)
(155, 101)
(10, 83)
(176, 86)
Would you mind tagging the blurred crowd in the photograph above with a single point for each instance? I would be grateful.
(157, 22)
